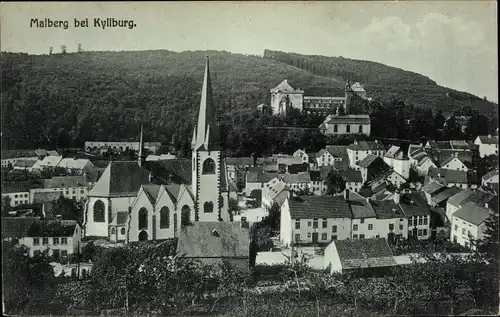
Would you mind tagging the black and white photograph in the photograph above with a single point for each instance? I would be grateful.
(249, 158)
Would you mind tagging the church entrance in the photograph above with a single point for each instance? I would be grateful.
(185, 215)
(143, 236)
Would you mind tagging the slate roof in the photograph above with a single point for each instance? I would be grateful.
(432, 187)
(392, 151)
(473, 213)
(467, 195)
(347, 119)
(351, 176)
(9, 154)
(368, 160)
(240, 161)
(448, 176)
(174, 190)
(121, 178)
(46, 196)
(309, 207)
(65, 182)
(417, 208)
(17, 187)
(445, 194)
(151, 191)
(257, 175)
(51, 161)
(52, 228)
(361, 209)
(303, 177)
(26, 163)
(16, 227)
(488, 139)
(364, 253)
(366, 146)
(214, 240)
(440, 145)
(71, 163)
(387, 209)
(180, 170)
(490, 174)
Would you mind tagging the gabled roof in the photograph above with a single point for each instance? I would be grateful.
(364, 253)
(347, 119)
(52, 228)
(351, 176)
(51, 161)
(448, 176)
(414, 204)
(369, 160)
(25, 163)
(357, 87)
(432, 187)
(337, 150)
(121, 178)
(239, 161)
(214, 240)
(151, 191)
(257, 175)
(467, 195)
(488, 139)
(473, 213)
(284, 86)
(309, 207)
(174, 170)
(393, 150)
(16, 227)
(65, 182)
(361, 209)
(71, 163)
(366, 146)
(490, 174)
(387, 209)
(445, 194)
(303, 177)
(17, 187)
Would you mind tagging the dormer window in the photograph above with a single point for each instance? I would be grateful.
(215, 233)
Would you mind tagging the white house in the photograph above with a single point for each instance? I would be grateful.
(302, 154)
(398, 160)
(353, 179)
(488, 145)
(468, 223)
(315, 219)
(336, 124)
(76, 166)
(459, 200)
(72, 187)
(256, 178)
(331, 154)
(60, 237)
(275, 191)
(449, 177)
(49, 162)
(121, 146)
(18, 192)
(454, 163)
(24, 164)
(490, 178)
(360, 149)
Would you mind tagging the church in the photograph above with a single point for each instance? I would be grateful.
(153, 200)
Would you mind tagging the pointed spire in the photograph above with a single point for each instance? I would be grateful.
(140, 159)
(208, 138)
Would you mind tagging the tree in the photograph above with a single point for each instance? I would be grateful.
(79, 48)
(63, 49)
(335, 184)
(50, 50)
(6, 201)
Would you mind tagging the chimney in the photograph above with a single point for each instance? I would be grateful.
(489, 135)
(486, 205)
(396, 197)
(439, 174)
(244, 223)
(346, 194)
(368, 199)
(59, 218)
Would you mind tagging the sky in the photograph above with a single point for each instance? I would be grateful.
(452, 42)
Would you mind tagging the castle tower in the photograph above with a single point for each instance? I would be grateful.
(207, 160)
(141, 159)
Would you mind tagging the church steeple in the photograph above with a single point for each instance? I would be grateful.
(206, 131)
(140, 159)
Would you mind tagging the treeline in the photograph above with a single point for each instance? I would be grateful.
(64, 100)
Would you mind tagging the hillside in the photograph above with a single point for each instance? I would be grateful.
(106, 95)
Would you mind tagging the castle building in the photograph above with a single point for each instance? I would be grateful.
(154, 200)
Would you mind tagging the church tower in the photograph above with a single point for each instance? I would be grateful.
(349, 93)
(141, 158)
(207, 160)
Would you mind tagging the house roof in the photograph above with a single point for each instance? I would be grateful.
(393, 150)
(347, 119)
(488, 139)
(351, 176)
(214, 240)
(239, 161)
(284, 86)
(432, 187)
(46, 196)
(364, 253)
(366, 146)
(51, 161)
(9, 154)
(121, 178)
(357, 87)
(18, 187)
(303, 177)
(414, 204)
(368, 160)
(65, 182)
(490, 174)
(361, 209)
(473, 213)
(71, 163)
(309, 207)
(467, 195)
(151, 191)
(387, 209)
(52, 228)
(175, 170)
(16, 227)
(337, 150)
(25, 163)
(440, 145)
(448, 176)
(445, 194)
(257, 175)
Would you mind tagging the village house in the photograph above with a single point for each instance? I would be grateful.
(364, 218)
(357, 151)
(161, 157)
(487, 144)
(14, 229)
(469, 223)
(315, 219)
(274, 192)
(122, 146)
(18, 192)
(237, 168)
(448, 177)
(390, 219)
(390, 176)
(24, 164)
(75, 166)
(350, 255)
(10, 157)
(330, 155)
(461, 198)
(71, 187)
(318, 185)
(302, 154)
(454, 163)
(490, 178)
(214, 242)
(371, 166)
(418, 216)
(297, 182)
(398, 161)
(49, 163)
(437, 194)
(346, 124)
(256, 178)
(353, 180)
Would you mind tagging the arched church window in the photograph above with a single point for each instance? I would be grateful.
(143, 219)
(122, 231)
(348, 128)
(208, 207)
(99, 211)
(113, 230)
(185, 215)
(360, 128)
(164, 218)
(335, 128)
(209, 166)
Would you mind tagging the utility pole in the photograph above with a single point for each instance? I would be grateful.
(78, 264)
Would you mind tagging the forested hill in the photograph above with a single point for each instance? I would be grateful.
(385, 82)
(106, 95)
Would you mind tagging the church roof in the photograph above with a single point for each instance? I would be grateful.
(206, 133)
(348, 119)
(357, 87)
(151, 191)
(284, 86)
(120, 178)
(174, 170)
